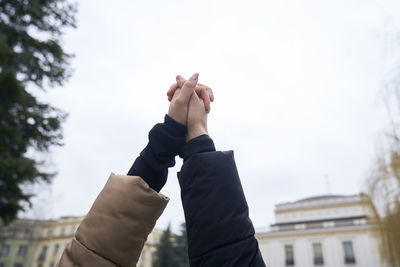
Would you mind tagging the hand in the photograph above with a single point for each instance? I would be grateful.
(202, 90)
(197, 118)
(178, 109)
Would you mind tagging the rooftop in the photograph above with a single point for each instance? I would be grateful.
(322, 197)
(321, 200)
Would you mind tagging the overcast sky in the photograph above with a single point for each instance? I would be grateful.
(296, 87)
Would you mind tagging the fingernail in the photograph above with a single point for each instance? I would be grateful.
(180, 78)
(194, 77)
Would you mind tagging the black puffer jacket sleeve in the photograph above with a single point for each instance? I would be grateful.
(220, 232)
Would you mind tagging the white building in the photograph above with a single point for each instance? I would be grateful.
(40, 243)
(330, 230)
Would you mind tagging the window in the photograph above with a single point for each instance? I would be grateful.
(289, 255)
(5, 249)
(11, 232)
(42, 255)
(56, 247)
(22, 250)
(73, 229)
(318, 257)
(18, 264)
(50, 233)
(348, 252)
(1, 264)
(62, 231)
(28, 233)
(51, 264)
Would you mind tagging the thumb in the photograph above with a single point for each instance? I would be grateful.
(180, 81)
(188, 87)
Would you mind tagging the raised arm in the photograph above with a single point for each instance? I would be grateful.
(220, 232)
(167, 139)
(115, 229)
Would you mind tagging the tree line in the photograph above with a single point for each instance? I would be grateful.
(172, 250)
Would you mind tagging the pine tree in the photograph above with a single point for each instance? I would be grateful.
(30, 55)
(172, 250)
(165, 254)
(181, 248)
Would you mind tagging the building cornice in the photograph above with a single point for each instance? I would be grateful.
(303, 207)
(320, 220)
(312, 232)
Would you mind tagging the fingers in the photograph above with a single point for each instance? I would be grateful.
(203, 91)
(188, 87)
(179, 83)
(171, 91)
(209, 90)
(204, 94)
(194, 96)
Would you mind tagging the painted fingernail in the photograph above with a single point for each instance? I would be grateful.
(194, 77)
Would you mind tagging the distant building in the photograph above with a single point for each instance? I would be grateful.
(148, 254)
(40, 243)
(330, 230)
(19, 242)
(55, 236)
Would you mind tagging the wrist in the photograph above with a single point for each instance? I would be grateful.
(195, 132)
(179, 116)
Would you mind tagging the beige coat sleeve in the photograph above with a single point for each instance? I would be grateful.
(115, 229)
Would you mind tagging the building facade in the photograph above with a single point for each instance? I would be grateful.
(331, 231)
(54, 237)
(39, 243)
(19, 243)
(148, 254)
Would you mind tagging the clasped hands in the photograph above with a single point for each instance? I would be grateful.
(190, 103)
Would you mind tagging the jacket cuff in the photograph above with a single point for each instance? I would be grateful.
(120, 220)
(175, 127)
(200, 144)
